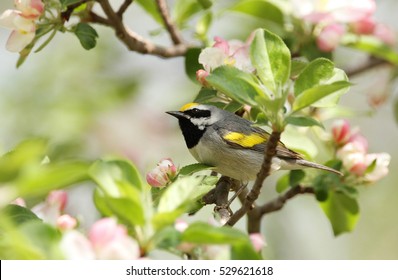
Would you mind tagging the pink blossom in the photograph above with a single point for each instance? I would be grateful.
(162, 174)
(50, 210)
(258, 241)
(75, 246)
(19, 201)
(364, 26)
(234, 53)
(329, 37)
(30, 9)
(22, 23)
(332, 11)
(341, 132)
(111, 241)
(381, 168)
(66, 222)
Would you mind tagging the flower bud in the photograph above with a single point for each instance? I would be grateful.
(161, 175)
(329, 37)
(65, 222)
(341, 132)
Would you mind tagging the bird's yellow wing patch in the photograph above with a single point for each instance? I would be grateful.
(188, 106)
(246, 141)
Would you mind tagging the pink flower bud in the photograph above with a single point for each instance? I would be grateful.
(162, 173)
(364, 26)
(201, 76)
(341, 132)
(258, 241)
(58, 198)
(329, 37)
(360, 142)
(65, 222)
(19, 201)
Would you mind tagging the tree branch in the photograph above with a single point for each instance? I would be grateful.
(270, 151)
(173, 31)
(372, 63)
(123, 8)
(280, 201)
(133, 41)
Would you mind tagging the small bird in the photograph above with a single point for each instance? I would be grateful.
(233, 145)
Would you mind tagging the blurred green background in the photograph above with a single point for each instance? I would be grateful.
(109, 101)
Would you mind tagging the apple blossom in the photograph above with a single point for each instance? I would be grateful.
(22, 23)
(65, 222)
(385, 34)
(50, 210)
(380, 170)
(162, 174)
(111, 241)
(75, 246)
(341, 132)
(329, 37)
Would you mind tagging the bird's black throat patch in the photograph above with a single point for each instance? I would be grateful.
(191, 132)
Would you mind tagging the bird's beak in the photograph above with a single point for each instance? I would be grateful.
(176, 114)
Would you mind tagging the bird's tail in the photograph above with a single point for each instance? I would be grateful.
(306, 163)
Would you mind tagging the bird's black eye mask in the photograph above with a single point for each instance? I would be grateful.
(197, 113)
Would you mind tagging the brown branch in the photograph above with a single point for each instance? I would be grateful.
(133, 41)
(123, 8)
(372, 63)
(280, 201)
(264, 172)
(171, 28)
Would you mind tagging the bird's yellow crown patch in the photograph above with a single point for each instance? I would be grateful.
(244, 140)
(188, 106)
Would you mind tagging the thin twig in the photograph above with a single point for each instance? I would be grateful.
(123, 8)
(133, 41)
(171, 28)
(265, 171)
(372, 63)
(280, 201)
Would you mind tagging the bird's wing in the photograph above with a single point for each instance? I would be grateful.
(245, 136)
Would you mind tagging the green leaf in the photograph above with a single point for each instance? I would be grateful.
(206, 4)
(318, 72)
(203, 233)
(18, 214)
(121, 190)
(342, 211)
(66, 3)
(192, 63)
(372, 45)
(151, 8)
(27, 153)
(108, 174)
(193, 168)
(241, 86)
(272, 17)
(167, 238)
(283, 183)
(295, 177)
(303, 121)
(203, 25)
(297, 66)
(182, 192)
(184, 10)
(271, 58)
(86, 35)
(312, 95)
(51, 176)
(205, 95)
